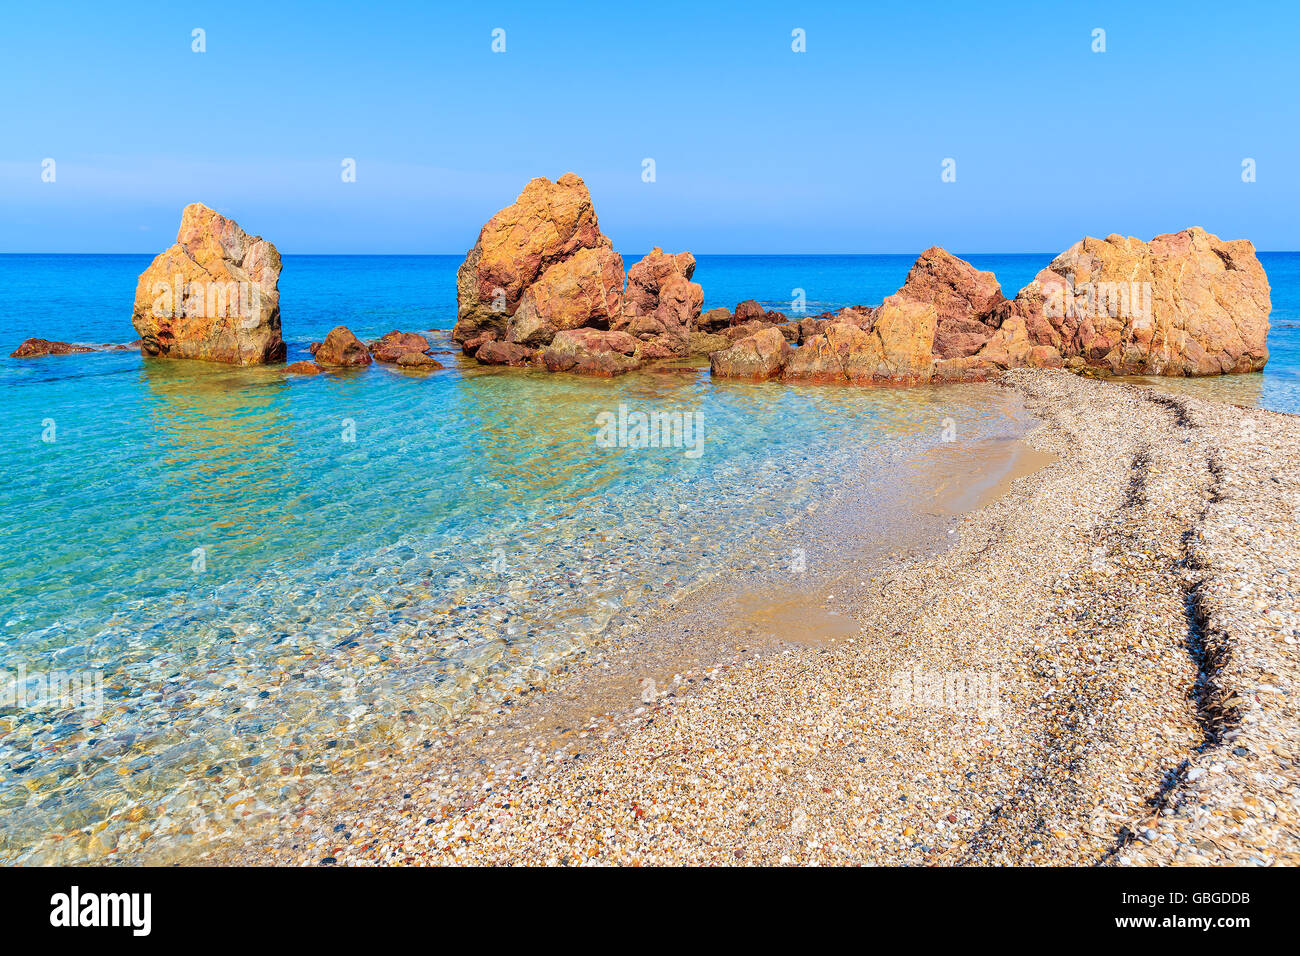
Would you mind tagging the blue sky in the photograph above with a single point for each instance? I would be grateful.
(757, 149)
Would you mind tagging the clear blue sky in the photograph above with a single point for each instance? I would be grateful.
(757, 148)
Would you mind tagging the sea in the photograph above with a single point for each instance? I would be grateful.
(219, 586)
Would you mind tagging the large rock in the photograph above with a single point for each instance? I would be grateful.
(1186, 303)
(584, 290)
(964, 299)
(548, 223)
(341, 349)
(592, 352)
(761, 356)
(212, 296)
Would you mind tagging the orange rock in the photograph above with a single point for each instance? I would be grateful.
(549, 222)
(662, 305)
(963, 298)
(1186, 303)
(212, 296)
(391, 346)
(896, 349)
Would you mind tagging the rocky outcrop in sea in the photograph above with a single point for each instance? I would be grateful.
(213, 296)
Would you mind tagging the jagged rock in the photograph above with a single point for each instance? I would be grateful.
(212, 296)
(662, 305)
(963, 297)
(341, 349)
(548, 223)
(647, 276)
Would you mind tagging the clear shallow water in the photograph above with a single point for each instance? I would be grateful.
(268, 601)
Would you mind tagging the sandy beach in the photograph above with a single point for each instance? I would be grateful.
(1094, 672)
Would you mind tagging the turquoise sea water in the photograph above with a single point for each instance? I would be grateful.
(264, 576)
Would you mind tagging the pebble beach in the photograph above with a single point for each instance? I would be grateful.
(1095, 671)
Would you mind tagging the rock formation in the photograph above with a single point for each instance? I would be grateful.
(591, 352)
(1186, 303)
(582, 291)
(542, 268)
(212, 296)
(544, 288)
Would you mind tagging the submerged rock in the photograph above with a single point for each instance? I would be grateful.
(303, 368)
(213, 296)
(417, 360)
(37, 348)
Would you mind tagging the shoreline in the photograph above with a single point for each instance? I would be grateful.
(1076, 680)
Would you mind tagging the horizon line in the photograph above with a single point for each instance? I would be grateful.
(734, 255)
